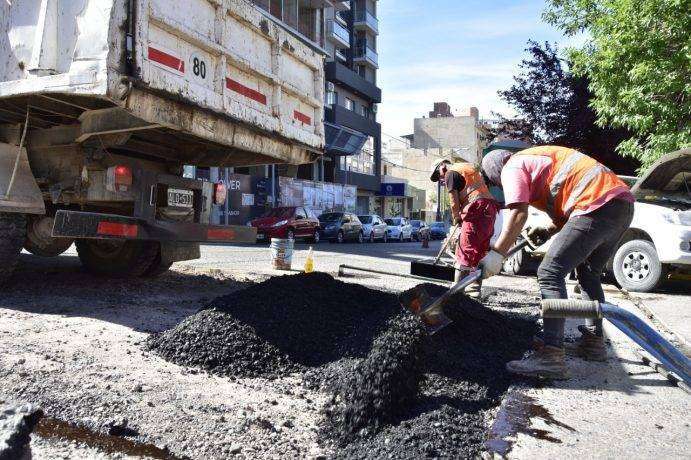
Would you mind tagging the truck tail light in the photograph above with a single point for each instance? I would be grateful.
(220, 193)
(118, 178)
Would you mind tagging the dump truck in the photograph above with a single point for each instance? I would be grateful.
(103, 103)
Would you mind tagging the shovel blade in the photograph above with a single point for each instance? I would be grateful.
(418, 301)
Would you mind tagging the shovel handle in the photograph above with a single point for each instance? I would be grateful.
(446, 244)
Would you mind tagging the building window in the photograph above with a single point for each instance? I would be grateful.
(331, 98)
(362, 162)
(364, 111)
(297, 14)
(349, 104)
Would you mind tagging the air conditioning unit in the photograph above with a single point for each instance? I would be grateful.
(330, 86)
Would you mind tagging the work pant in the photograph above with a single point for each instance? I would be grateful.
(585, 244)
(476, 232)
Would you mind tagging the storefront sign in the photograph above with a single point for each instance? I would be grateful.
(393, 189)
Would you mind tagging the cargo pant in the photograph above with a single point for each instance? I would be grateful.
(476, 232)
(585, 244)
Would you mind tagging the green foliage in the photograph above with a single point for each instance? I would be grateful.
(638, 61)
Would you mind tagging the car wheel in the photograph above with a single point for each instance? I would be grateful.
(637, 267)
(316, 237)
(386, 237)
(400, 237)
(371, 236)
(519, 263)
(360, 238)
(290, 234)
(339, 237)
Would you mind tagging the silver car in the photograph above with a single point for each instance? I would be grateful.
(374, 228)
(399, 229)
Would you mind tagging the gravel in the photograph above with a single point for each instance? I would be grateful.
(16, 425)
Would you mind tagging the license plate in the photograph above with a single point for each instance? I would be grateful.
(260, 236)
(180, 198)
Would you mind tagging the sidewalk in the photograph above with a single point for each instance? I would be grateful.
(617, 409)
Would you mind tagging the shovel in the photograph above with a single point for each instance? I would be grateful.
(430, 309)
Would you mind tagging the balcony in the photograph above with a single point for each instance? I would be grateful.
(341, 6)
(365, 54)
(339, 115)
(342, 75)
(338, 34)
(363, 19)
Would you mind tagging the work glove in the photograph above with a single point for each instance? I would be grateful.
(491, 264)
(537, 236)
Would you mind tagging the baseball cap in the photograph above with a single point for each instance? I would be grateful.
(435, 169)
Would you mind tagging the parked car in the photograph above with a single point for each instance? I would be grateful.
(290, 222)
(438, 230)
(338, 227)
(657, 243)
(420, 229)
(374, 228)
(399, 229)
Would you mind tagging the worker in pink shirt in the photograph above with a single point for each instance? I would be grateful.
(590, 209)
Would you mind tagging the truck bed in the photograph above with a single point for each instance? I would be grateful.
(203, 82)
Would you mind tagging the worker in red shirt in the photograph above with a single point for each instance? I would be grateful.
(590, 209)
(473, 208)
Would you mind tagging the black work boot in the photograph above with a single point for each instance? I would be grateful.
(547, 362)
(588, 346)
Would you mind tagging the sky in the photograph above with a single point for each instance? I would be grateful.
(458, 51)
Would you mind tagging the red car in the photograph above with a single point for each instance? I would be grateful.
(287, 222)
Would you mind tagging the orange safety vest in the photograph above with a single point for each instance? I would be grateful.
(575, 182)
(475, 187)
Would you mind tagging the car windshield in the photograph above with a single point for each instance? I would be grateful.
(393, 221)
(330, 217)
(280, 212)
(365, 219)
(438, 225)
(416, 223)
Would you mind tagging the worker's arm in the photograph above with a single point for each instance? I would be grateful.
(455, 201)
(455, 183)
(518, 215)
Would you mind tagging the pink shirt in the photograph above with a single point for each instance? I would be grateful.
(523, 180)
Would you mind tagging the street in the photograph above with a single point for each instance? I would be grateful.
(75, 347)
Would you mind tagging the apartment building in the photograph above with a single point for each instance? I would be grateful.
(353, 136)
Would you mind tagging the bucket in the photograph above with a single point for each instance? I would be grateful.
(281, 253)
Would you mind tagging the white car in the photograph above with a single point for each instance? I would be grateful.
(399, 229)
(658, 242)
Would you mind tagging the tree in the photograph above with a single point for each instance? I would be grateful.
(638, 62)
(554, 109)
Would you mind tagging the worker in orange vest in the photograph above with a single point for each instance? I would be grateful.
(473, 208)
(590, 209)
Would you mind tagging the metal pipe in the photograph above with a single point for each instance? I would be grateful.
(631, 325)
(648, 339)
(343, 268)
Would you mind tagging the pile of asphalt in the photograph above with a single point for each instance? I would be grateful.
(280, 326)
(398, 392)
(464, 378)
(380, 387)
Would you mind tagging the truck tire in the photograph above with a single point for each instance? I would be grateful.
(39, 241)
(12, 235)
(637, 267)
(118, 259)
(158, 267)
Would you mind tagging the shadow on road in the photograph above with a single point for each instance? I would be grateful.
(59, 286)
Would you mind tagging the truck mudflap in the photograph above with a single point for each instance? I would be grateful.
(90, 225)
